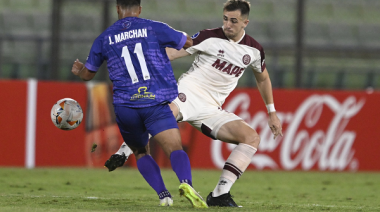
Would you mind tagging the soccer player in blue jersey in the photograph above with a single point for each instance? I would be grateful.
(143, 86)
(223, 54)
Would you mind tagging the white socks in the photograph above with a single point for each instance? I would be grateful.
(223, 187)
(124, 149)
(236, 164)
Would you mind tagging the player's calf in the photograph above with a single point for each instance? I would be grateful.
(234, 167)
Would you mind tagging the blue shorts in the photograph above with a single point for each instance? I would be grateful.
(135, 124)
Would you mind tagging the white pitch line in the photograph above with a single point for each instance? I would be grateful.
(292, 204)
(44, 196)
(318, 205)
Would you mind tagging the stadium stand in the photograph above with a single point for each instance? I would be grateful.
(330, 26)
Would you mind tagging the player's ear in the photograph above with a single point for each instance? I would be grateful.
(246, 22)
(140, 10)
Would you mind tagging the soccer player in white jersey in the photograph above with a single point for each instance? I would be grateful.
(222, 55)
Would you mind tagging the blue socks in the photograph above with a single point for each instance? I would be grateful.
(152, 174)
(181, 166)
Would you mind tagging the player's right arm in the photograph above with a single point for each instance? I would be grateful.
(175, 54)
(189, 41)
(94, 60)
(197, 39)
(172, 39)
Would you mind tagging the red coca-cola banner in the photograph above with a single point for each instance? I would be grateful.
(28, 137)
(323, 130)
(12, 127)
(55, 147)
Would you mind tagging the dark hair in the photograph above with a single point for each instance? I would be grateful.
(128, 3)
(242, 5)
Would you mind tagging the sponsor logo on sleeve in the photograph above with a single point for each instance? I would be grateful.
(195, 35)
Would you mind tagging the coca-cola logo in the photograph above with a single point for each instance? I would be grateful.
(304, 144)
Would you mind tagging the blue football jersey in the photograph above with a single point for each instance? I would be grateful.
(138, 66)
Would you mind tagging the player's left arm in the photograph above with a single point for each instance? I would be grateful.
(264, 85)
(79, 69)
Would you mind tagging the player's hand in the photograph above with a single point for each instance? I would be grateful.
(275, 125)
(77, 67)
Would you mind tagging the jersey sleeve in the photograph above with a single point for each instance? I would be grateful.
(198, 44)
(95, 58)
(259, 65)
(169, 37)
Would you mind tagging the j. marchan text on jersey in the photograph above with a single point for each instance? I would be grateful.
(135, 33)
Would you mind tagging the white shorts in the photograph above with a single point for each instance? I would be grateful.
(198, 108)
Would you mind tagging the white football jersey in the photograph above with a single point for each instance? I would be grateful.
(220, 62)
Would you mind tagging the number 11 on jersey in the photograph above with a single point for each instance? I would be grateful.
(128, 62)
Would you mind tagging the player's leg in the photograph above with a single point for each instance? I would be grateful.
(151, 172)
(134, 132)
(164, 130)
(170, 142)
(121, 156)
(247, 140)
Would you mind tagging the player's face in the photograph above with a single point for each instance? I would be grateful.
(234, 24)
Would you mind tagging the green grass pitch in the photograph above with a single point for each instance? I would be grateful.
(83, 189)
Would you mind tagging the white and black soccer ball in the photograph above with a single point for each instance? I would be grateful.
(66, 114)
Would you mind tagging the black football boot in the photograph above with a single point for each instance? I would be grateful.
(224, 200)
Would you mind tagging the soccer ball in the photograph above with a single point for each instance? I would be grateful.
(66, 114)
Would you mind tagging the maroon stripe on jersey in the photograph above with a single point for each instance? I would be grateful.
(249, 41)
(232, 168)
(209, 33)
(218, 33)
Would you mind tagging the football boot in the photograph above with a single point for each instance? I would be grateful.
(224, 200)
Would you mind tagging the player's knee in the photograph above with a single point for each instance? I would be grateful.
(139, 152)
(253, 140)
(256, 141)
(175, 147)
(171, 146)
